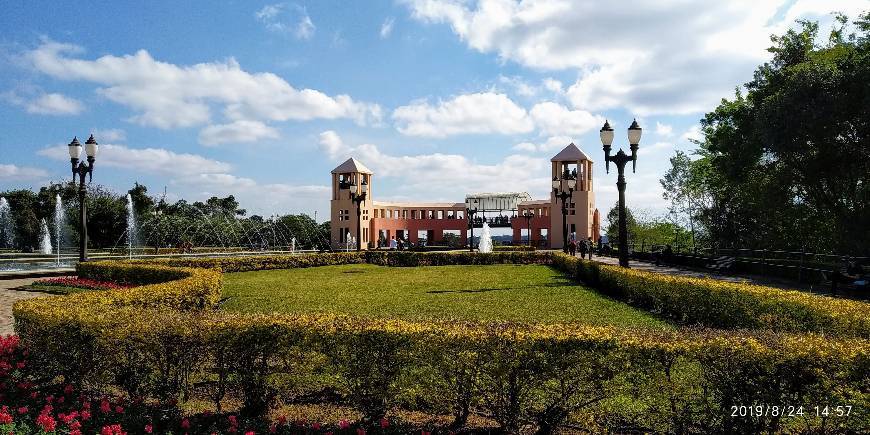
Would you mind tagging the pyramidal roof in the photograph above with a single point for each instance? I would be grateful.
(570, 154)
(352, 165)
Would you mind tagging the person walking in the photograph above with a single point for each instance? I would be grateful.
(581, 245)
(590, 246)
(393, 244)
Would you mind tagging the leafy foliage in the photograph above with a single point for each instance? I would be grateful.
(787, 163)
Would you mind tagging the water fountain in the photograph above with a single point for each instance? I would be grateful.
(293, 245)
(485, 244)
(59, 220)
(7, 235)
(44, 239)
(131, 226)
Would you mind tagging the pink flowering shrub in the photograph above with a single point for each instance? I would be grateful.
(32, 404)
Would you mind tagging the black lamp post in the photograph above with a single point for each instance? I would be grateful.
(358, 199)
(621, 158)
(83, 170)
(471, 212)
(570, 181)
(529, 215)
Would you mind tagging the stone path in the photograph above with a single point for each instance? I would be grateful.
(8, 296)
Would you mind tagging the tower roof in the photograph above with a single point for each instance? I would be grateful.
(352, 165)
(570, 154)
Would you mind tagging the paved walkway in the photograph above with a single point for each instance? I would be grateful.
(695, 273)
(8, 296)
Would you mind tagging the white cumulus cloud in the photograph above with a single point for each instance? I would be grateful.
(167, 95)
(147, 160)
(240, 131)
(20, 173)
(479, 113)
(646, 56)
(54, 104)
(556, 119)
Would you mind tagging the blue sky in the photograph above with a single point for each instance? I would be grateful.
(439, 97)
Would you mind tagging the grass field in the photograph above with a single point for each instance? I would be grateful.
(500, 292)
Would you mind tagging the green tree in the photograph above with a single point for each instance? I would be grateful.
(613, 224)
(787, 165)
(142, 203)
(683, 186)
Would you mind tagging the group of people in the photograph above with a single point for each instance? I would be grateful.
(584, 246)
(393, 244)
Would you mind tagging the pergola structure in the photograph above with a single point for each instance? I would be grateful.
(500, 207)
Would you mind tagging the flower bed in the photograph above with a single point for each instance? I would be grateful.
(161, 340)
(30, 404)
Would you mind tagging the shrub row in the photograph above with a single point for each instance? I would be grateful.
(513, 248)
(383, 258)
(722, 304)
(602, 379)
(161, 340)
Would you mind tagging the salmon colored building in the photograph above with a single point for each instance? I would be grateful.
(430, 222)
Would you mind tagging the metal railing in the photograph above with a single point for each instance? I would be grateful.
(802, 266)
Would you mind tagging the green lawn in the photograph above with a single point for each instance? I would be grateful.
(500, 292)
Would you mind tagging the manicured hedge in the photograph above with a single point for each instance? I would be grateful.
(163, 340)
(721, 304)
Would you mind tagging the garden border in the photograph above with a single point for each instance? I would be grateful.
(155, 339)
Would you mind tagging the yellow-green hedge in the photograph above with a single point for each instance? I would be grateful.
(720, 304)
(161, 338)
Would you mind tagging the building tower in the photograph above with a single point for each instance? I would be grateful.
(582, 215)
(343, 216)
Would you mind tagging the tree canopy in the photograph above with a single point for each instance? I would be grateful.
(786, 163)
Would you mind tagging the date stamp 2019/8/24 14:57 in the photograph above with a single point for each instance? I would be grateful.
(787, 411)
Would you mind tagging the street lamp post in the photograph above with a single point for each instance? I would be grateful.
(559, 191)
(529, 215)
(358, 199)
(621, 158)
(471, 212)
(83, 170)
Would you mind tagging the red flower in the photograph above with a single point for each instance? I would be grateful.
(250, 432)
(185, 424)
(105, 407)
(86, 415)
(119, 409)
(75, 425)
(75, 432)
(360, 431)
(5, 418)
(22, 410)
(385, 423)
(233, 421)
(343, 424)
(68, 389)
(114, 429)
(149, 428)
(315, 426)
(46, 422)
